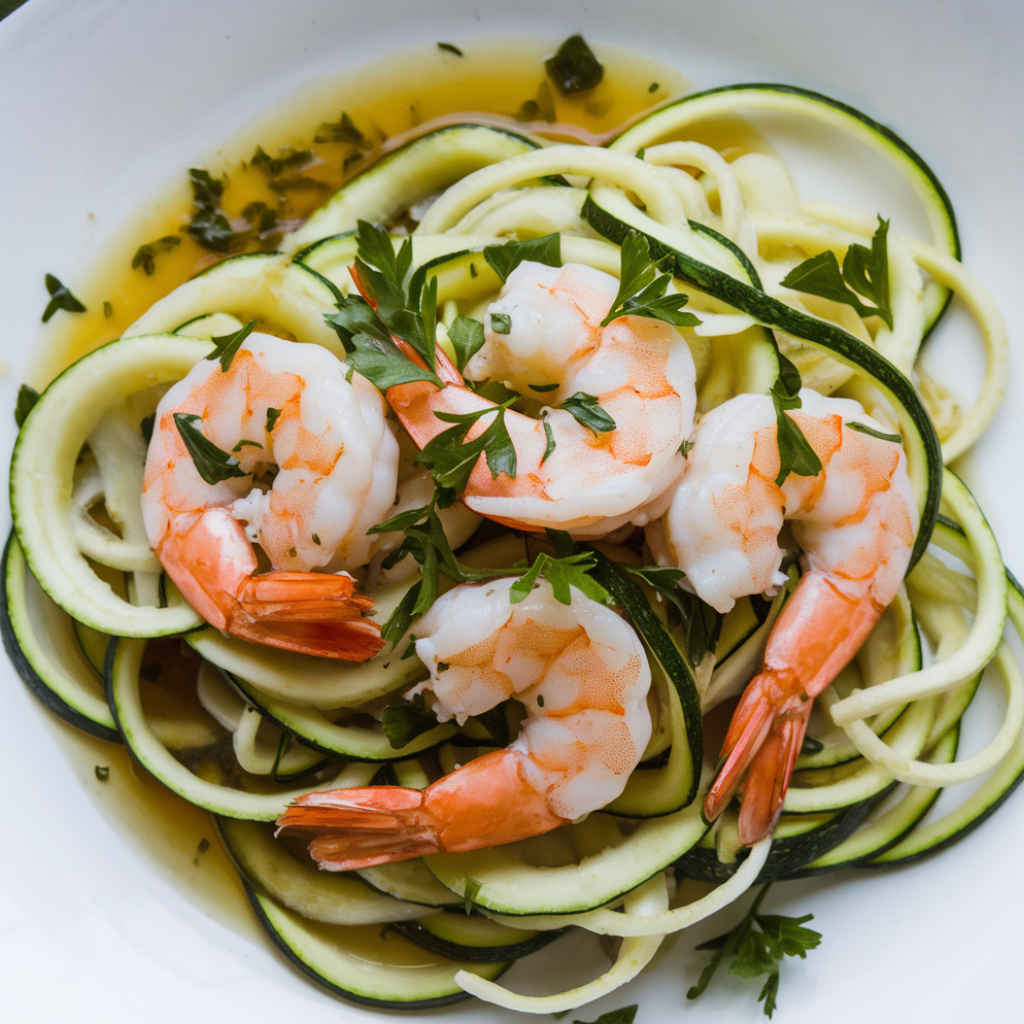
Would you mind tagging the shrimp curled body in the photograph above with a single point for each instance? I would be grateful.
(569, 477)
(582, 676)
(855, 522)
(286, 411)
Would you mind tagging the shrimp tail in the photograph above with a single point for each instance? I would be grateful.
(358, 828)
(759, 752)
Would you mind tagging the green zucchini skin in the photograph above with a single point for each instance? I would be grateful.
(354, 982)
(47, 694)
(420, 932)
(922, 442)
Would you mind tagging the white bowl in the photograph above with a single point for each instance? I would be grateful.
(106, 100)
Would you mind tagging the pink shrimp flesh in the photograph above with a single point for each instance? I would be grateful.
(285, 410)
(582, 675)
(855, 521)
(568, 476)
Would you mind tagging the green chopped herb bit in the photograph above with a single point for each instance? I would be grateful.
(146, 427)
(863, 428)
(102, 772)
(574, 68)
(470, 893)
(246, 443)
(145, 256)
(586, 411)
(503, 259)
(541, 108)
(641, 291)
(759, 951)
(467, 337)
(501, 323)
(543, 388)
(653, 87)
(450, 48)
(108, 310)
(273, 415)
(316, 539)
(549, 445)
(865, 272)
(204, 845)
(27, 398)
(226, 345)
(60, 298)
(403, 721)
(795, 452)
(342, 130)
(213, 464)
(208, 226)
(685, 448)
(261, 217)
(450, 458)
(561, 573)
(624, 1015)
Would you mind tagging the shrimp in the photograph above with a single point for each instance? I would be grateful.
(582, 676)
(286, 411)
(855, 521)
(568, 476)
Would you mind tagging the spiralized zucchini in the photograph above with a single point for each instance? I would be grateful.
(241, 729)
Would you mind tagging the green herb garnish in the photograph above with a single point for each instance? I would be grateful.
(504, 258)
(863, 428)
(27, 397)
(574, 68)
(226, 345)
(404, 720)
(562, 573)
(60, 298)
(865, 272)
(342, 130)
(213, 464)
(795, 452)
(451, 48)
(145, 256)
(208, 226)
(467, 338)
(758, 951)
(586, 411)
(624, 1015)
(642, 291)
(501, 323)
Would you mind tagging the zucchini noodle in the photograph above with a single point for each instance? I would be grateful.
(243, 730)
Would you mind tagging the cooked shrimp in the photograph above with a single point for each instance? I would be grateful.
(855, 522)
(568, 476)
(284, 410)
(581, 674)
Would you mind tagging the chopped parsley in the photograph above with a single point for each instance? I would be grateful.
(212, 463)
(60, 298)
(574, 68)
(865, 272)
(795, 452)
(27, 398)
(588, 413)
(146, 254)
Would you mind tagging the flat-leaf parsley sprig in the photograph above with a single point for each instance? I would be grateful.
(757, 946)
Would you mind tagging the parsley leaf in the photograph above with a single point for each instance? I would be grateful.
(588, 413)
(27, 397)
(145, 256)
(501, 323)
(212, 463)
(702, 625)
(208, 226)
(60, 298)
(641, 291)
(624, 1015)
(467, 338)
(758, 952)
(402, 722)
(503, 259)
(450, 458)
(451, 48)
(342, 130)
(562, 573)
(226, 345)
(865, 271)
(863, 428)
(549, 445)
(574, 68)
(795, 452)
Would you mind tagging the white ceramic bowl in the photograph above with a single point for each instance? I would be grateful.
(102, 101)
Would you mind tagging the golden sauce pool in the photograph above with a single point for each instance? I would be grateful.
(356, 117)
(281, 167)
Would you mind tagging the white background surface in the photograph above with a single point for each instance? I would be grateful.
(101, 100)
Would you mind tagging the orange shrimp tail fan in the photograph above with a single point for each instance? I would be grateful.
(311, 612)
(358, 828)
(764, 740)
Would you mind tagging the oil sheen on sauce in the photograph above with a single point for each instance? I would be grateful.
(384, 103)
